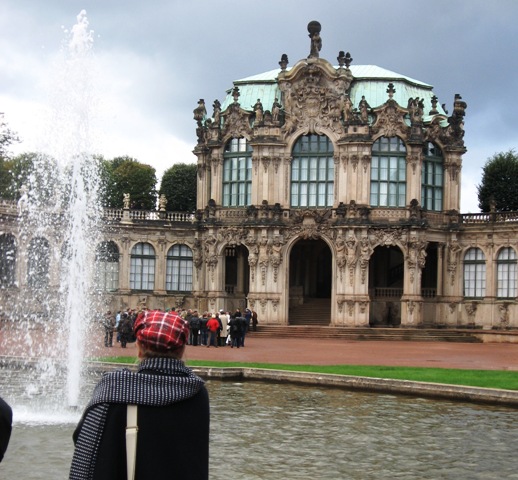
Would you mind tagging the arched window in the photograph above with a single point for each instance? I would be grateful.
(7, 260)
(38, 263)
(179, 269)
(142, 267)
(107, 266)
(237, 173)
(432, 178)
(506, 270)
(312, 172)
(474, 273)
(388, 173)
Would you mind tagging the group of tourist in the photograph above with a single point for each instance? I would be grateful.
(208, 329)
(220, 328)
(122, 323)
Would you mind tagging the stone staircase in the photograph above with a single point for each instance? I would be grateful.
(314, 311)
(352, 333)
(312, 319)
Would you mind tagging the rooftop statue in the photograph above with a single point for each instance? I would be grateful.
(314, 28)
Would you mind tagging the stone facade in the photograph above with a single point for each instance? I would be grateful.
(332, 186)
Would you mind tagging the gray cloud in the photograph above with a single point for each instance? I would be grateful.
(171, 53)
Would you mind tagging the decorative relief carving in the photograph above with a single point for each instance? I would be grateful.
(503, 308)
(452, 259)
(390, 120)
(366, 251)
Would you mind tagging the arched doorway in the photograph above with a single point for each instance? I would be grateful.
(237, 276)
(310, 283)
(386, 276)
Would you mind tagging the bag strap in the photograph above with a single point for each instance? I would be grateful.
(131, 440)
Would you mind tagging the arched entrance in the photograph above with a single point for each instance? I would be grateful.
(310, 283)
(386, 276)
(237, 276)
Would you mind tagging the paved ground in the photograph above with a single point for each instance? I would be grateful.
(488, 356)
(484, 356)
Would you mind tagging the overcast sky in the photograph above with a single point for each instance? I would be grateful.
(156, 59)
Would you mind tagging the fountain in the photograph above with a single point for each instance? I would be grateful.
(58, 212)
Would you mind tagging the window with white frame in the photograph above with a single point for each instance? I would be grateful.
(388, 173)
(506, 273)
(432, 178)
(142, 267)
(474, 273)
(312, 172)
(237, 173)
(107, 266)
(38, 263)
(179, 269)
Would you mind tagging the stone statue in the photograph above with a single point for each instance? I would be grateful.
(276, 110)
(316, 42)
(126, 201)
(258, 109)
(162, 202)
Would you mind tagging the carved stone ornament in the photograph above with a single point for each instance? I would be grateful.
(314, 98)
(236, 122)
(390, 120)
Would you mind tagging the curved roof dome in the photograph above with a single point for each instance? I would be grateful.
(370, 81)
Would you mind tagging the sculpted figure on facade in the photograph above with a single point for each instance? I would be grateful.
(364, 110)
(366, 251)
(341, 258)
(452, 260)
(352, 258)
(258, 109)
(276, 257)
(217, 113)
(276, 111)
(197, 251)
(126, 201)
(347, 109)
(314, 29)
(162, 203)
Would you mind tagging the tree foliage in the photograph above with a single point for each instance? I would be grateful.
(179, 186)
(126, 175)
(30, 172)
(7, 138)
(499, 185)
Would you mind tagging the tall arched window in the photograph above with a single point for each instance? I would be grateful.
(179, 269)
(388, 173)
(312, 172)
(237, 173)
(107, 266)
(474, 273)
(142, 267)
(7, 260)
(506, 273)
(432, 178)
(38, 263)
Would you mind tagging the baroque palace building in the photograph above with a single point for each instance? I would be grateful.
(324, 191)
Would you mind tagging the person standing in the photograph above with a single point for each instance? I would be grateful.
(172, 412)
(194, 325)
(109, 325)
(6, 421)
(213, 327)
(125, 328)
(223, 318)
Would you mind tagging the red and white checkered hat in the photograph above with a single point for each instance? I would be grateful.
(161, 331)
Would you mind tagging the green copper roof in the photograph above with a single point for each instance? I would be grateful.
(370, 81)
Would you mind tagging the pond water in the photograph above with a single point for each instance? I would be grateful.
(272, 431)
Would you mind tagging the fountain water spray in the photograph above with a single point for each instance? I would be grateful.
(60, 210)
